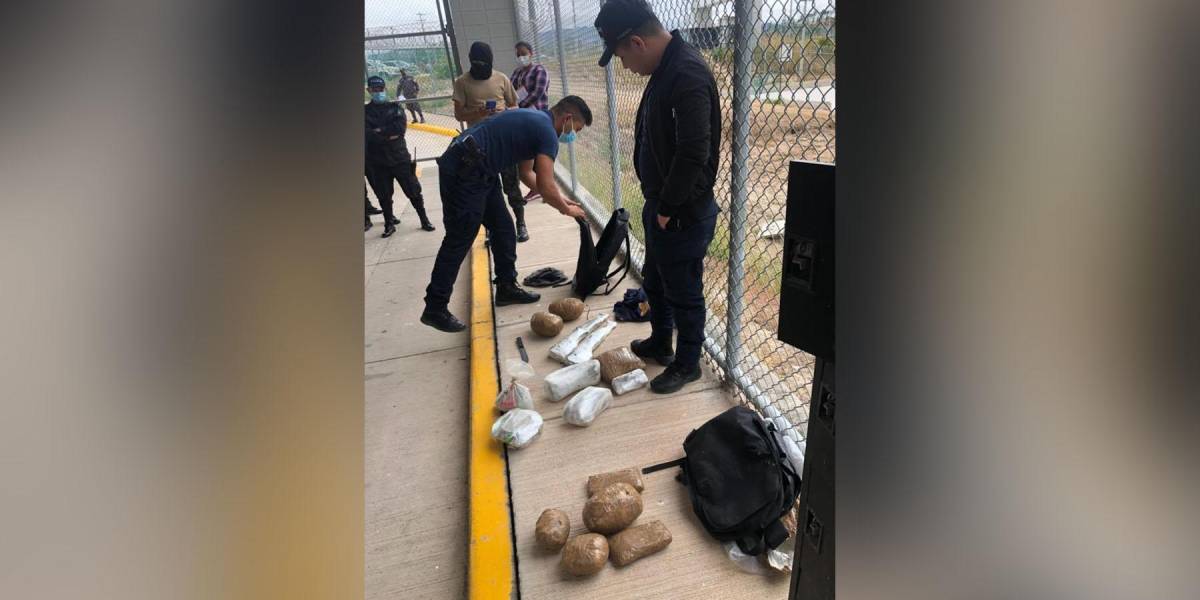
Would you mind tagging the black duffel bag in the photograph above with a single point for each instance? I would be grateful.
(739, 479)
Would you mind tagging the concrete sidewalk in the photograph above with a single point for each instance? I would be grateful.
(416, 430)
(639, 429)
(416, 415)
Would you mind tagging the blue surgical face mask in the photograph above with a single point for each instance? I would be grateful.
(568, 136)
(378, 96)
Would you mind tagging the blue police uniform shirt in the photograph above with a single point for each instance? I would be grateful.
(513, 136)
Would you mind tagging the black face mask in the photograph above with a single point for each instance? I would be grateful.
(481, 71)
(481, 60)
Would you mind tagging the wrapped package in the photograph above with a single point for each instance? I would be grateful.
(514, 395)
(546, 324)
(638, 542)
(517, 427)
(569, 380)
(567, 308)
(585, 406)
(583, 351)
(743, 561)
(633, 477)
(585, 554)
(630, 381)
(565, 346)
(552, 529)
(612, 509)
(617, 362)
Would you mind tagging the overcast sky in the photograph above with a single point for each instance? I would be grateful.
(401, 12)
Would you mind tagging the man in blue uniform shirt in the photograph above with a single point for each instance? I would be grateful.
(468, 175)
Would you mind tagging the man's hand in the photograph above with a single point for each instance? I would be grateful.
(662, 222)
(573, 210)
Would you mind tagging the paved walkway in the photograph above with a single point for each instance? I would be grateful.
(416, 456)
(416, 390)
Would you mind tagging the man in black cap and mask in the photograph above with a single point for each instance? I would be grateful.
(676, 149)
(388, 158)
(483, 92)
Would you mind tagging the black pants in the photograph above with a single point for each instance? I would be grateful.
(380, 176)
(415, 109)
(367, 201)
(470, 198)
(673, 278)
(512, 190)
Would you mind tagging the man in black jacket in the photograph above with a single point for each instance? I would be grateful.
(388, 158)
(676, 149)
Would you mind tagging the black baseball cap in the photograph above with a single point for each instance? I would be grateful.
(618, 19)
(374, 80)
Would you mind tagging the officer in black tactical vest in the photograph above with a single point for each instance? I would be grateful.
(388, 157)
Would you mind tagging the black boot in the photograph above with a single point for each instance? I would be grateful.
(674, 377)
(371, 210)
(442, 320)
(508, 292)
(395, 221)
(650, 348)
(426, 224)
(388, 229)
(519, 216)
(367, 226)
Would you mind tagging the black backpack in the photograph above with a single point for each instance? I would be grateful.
(591, 269)
(739, 479)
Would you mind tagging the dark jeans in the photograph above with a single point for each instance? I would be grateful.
(470, 198)
(415, 109)
(380, 177)
(673, 278)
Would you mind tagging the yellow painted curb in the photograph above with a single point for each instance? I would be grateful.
(433, 129)
(490, 563)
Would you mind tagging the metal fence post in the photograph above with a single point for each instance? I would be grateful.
(615, 158)
(562, 69)
(743, 52)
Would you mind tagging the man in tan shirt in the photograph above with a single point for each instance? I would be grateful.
(478, 94)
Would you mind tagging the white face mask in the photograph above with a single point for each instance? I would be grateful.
(525, 60)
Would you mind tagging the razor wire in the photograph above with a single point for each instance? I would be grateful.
(773, 61)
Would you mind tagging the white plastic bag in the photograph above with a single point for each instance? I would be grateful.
(515, 395)
(795, 453)
(585, 406)
(518, 369)
(780, 559)
(567, 380)
(566, 346)
(583, 351)
(623, 384)
(517, 427)
(744, 561)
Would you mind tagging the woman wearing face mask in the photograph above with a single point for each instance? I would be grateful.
(530, 79)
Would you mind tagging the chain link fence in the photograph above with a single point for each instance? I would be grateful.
(774, 65)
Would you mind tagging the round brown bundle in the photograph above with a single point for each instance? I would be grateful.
(546, 324)
(585, 554)
(617, 362)
(552, 529)
(614, 508)
(567, 308)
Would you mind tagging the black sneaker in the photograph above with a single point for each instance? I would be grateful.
(651, 350)
(442, 320)
(675, 377)
(388, 230)
(509, 292)
(522, 233)
(374, 211)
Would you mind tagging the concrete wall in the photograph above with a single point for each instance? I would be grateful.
(490, 21)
